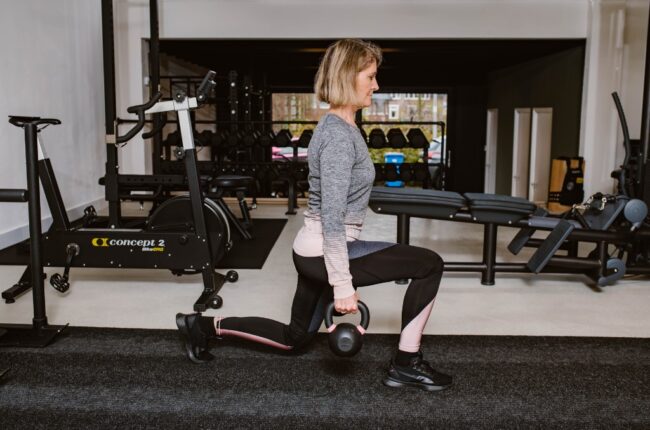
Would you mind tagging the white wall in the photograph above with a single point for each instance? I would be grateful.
(52, 67)
(615, 61)
(373, 18)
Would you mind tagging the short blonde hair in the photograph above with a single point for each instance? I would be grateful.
(336, 77)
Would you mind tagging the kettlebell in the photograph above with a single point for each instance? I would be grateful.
(345, 339)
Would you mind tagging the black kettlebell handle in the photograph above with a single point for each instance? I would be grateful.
(363, 309)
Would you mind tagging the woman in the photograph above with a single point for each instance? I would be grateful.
(330, 259)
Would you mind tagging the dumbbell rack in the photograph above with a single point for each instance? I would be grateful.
(395, 139)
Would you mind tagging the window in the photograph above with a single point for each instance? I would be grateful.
(295, 107)
(416, 107)
(420, 107)
(393, 112)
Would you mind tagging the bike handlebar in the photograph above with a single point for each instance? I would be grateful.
(139, 110)
(202, 94)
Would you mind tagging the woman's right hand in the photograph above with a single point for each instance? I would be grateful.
(347, 305)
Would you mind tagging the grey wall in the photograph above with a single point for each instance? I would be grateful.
(554, 81)
(52, 67)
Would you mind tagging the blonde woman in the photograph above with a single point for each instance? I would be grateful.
(330, 259)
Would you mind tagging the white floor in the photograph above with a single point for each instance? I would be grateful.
(556, 305)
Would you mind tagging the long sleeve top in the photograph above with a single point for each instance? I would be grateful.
(341, 175)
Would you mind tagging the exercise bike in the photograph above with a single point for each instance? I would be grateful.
(187, 234)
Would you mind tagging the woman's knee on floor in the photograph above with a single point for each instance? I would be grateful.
(298, 338)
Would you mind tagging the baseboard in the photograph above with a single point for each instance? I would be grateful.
(21, 233)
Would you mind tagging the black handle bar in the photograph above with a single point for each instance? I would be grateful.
(143, 107)
(139, 110)
(13, 195)
(152, 133)
(626, 142)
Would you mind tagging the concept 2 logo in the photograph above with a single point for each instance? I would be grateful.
(149, 245)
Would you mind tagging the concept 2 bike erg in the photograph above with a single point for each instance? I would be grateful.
(187, 234)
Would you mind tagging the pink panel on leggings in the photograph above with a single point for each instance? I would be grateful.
(409, 341)
(254, 338)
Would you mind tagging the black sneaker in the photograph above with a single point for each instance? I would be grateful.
(417, 374)
(195, 341)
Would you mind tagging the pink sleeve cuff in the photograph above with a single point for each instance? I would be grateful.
(343, 291)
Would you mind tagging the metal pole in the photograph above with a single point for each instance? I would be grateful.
(645, 125)
(403, 229)
(154, 72)
(111, 190)
(33, 189)
(489, 253)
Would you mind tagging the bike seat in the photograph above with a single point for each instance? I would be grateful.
(22, 121)
(232, 181)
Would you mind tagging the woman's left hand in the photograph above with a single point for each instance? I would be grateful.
(348, 304)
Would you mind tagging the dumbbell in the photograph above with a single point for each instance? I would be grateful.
(220, 138)
(249, 137)
(232, 139)
(305, 138)
(266, 138)
(390, 172)
(416, 138)
(406, 172)
(420, 172)
(396, 138)
(204, 138)
(172, 138)
(283, 138)
(377, 138)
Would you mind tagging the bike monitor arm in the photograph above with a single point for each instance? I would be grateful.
(203, 92)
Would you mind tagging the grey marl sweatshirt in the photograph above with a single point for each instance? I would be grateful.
(341, 175)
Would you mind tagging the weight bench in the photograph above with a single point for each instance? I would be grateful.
(497, 210)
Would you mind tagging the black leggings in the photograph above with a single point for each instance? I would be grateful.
(423, 266)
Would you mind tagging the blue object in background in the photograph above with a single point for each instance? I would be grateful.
(394, 158)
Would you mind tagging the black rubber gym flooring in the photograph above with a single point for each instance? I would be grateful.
(251, 254)
(116, 378)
